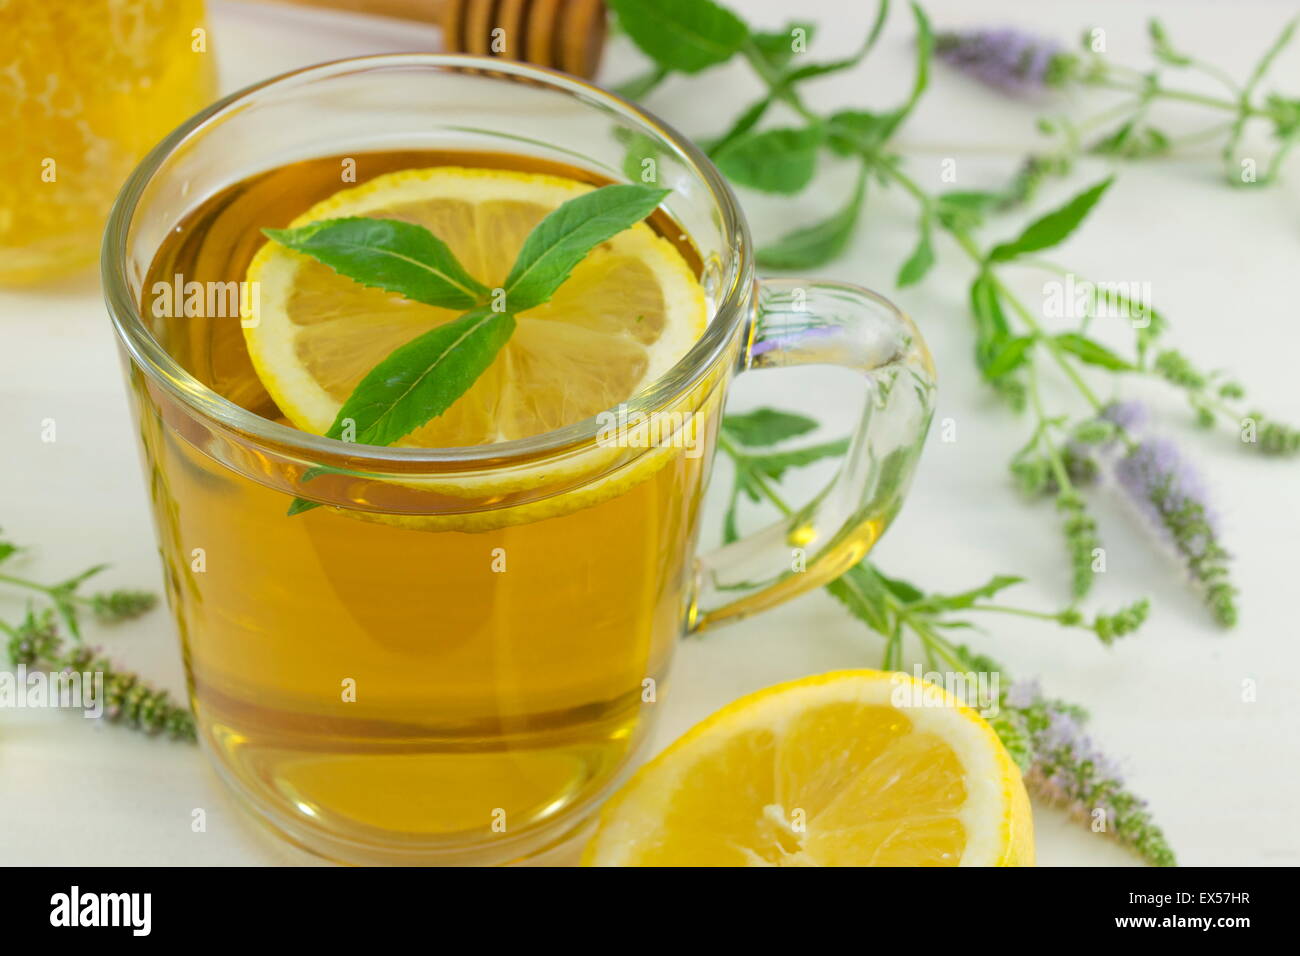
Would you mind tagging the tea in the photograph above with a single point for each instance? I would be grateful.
(463, 659)
(458, 655)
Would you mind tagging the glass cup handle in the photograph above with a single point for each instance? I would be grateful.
(807, 322)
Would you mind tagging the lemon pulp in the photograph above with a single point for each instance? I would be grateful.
(826, 771)
(626, 314)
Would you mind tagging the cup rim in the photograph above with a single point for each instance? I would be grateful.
(148, 353)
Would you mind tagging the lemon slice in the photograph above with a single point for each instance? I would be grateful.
(624, 317)
(826, 771)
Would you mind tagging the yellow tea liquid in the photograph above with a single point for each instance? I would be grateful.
(370, 677)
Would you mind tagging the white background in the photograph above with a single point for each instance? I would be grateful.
(1219, 773)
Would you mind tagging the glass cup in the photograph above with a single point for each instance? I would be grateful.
(460, 656)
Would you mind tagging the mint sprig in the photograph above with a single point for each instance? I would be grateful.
(37, 642)
(1014, 347)
(422, 378)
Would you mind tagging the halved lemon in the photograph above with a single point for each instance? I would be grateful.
(627, 313)
(851, 768)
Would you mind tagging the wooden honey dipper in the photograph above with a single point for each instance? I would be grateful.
(565, 35)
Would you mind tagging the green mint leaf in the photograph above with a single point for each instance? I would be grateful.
(640, 147)
(754, 471)
(730, 523)
(387, 254)
(905, 591)
(63, 597)
(969, 200)
(862, 592)
(563, 239)
(1161, 47)
(1091, 352)
(299, 505)
(747, 481)
(315, 471)
(850, 132)
(992, 331)
(964, 209)
(921, 259)
(777, 46)
(835, 66)
(7, 550)
(766, 426)
(685, 35)
(1009, 357)
(641, 86)
(1286, 115)
(1115, 143)
(811, 246)
(72, 583)
(1132, 142)
(743, 124)
(937, 603)
(955, 625)
(68, 611)
(776, 464)
(1052, 228)
(418, 381)
(774, 161)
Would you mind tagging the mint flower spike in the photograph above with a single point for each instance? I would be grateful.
(36, 643)
(111, 607)
(1171, 493)
(1165, 486)
(1109, 627)
(1068, 770)
(1275, 438)
(1008, 59)
(1064, 767)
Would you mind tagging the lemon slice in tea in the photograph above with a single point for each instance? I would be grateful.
(826, 771)
(624, 317)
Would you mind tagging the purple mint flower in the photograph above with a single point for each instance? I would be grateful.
(1131, 416)
(1163, 482)
(1065, 735)
(1071, 771)
(1171, 493)
(1067, 769)
(1023, 693)
(1011, 60)
(1064, 731)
